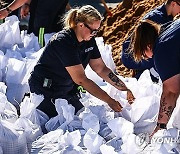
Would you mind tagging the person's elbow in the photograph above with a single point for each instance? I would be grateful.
(81, 80)
(171, 91)
(172, 86)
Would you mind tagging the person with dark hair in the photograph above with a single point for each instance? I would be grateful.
(163, 45)
(162, 15)
(61, 66)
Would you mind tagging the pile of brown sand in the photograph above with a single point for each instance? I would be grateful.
(117, 28)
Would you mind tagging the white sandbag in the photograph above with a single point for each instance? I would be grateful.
(15, 93)
(3, 60)
(12, 141)
(163, 142)
(2, 65)
(106, 53)
(30, 41)
(72, 150)
(144, 114)
(11, 32)
(50, 138)
(115, 143)
(144, 86)
(103, 116)
(1, 75)
(30, 63)
(32, 131)
(65, 115)
(90, 120)
(2, 35)
(105, 149)
(55, 123)
(12, 53)
(1, 151)
(68, 143)
(70, 139)
(7, 111)
(35, 55)
(131, 146)
(3, 87)
(76, 124)
(18, 73)
(115, 93)
(29, 111)
(15, 71)
(106, 132)
(52, 148)
(92, 141)
(121, 127)
(17, 49)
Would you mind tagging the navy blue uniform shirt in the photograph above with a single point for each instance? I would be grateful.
(46, 14)
(64, 50)
(167, 51)
(158, 15)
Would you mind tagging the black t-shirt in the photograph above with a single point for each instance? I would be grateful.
(167, 51)
(64, 50)
(48, 14)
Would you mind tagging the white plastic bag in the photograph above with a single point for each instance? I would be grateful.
(11, 140)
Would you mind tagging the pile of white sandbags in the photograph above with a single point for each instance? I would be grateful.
(95, 129)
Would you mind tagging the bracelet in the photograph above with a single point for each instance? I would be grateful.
(8, 10)
(26, 4)
(161, 125)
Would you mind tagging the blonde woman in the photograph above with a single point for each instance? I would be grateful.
(61, 66)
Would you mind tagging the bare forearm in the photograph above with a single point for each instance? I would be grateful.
(167, 105)
(95, 90)
(111, 78)
(17, 3)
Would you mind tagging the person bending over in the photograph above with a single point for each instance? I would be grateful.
(61, 67)
(163, 45)
(162, 15)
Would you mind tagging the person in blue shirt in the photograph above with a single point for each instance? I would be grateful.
(161, 15)
(148, 41)
(61, 66)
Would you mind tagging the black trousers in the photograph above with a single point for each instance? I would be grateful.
(47, 105)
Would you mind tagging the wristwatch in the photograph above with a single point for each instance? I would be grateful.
(8, 10)
(162, 125)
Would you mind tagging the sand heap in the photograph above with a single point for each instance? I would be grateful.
(117, 28)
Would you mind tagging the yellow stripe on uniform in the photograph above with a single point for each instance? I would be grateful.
(41, 37)
(81, 89)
